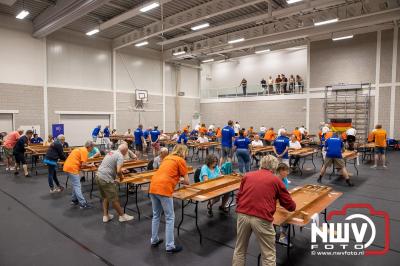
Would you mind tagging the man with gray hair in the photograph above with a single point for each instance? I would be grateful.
(281, 147)
(157, 161)
(72, 166)
(106, 176)
(256, 205)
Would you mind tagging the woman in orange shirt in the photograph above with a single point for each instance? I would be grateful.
(162, 187)
(297, 133)
(269, 136)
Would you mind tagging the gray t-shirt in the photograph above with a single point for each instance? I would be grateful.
(108, 168)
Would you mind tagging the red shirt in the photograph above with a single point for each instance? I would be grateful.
(259, 192)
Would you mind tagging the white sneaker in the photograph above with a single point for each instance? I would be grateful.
(53, 190)
(125, 218)
(385, 166)
(374, 166)
(108, 218)
(7, 169)
(12, 168)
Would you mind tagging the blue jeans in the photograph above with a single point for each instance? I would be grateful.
(166, 204)
(76, 189)
(243, 160)
(53, 176)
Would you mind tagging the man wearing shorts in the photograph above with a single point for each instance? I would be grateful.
(109, 169)
(9, 143)
(140, 142)
(19, 152)
(154, 138)
(228, 135)
(379, 136)
(334, 147)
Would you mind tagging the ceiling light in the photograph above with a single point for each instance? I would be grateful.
(92, 32)
(201, 26)
(236, 40)
(343, 38)
(149, 7)
(22, 14)
(329, 21)
(208, 60)
(263, 51)
(142, 44)
(293, 1)
(179, 53)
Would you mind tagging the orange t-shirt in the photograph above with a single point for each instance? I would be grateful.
(344, 136)
(11, 139)
(203, 130)
(379, 136)
(328, 135)
(371, 137)
(75, 159)
(167, 176)
(297, 133)
(269, 135)
(219, 133)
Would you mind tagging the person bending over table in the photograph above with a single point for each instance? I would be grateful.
(183, 139)
(256, 205)
(109, 169)
(95, 152)
(53, 154)
(257, 142)
(269, 136)
(162, 186)
(140, 142)
(19, 152)
(106, 137)
(158, 160)
(281, 147)
(227, 137)
(242, 152)
(8, 147)
(175, 137)
(210, 170)
(295, 145)
(96, 133)
(334, 147)
(72, 166)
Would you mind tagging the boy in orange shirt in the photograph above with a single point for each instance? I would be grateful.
(297, 133)
(269, 136)
(379, 136)
(72, 166)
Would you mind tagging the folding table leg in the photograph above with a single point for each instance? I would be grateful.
(182, 215)
(126, 196)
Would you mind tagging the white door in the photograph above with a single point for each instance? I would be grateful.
(78, 128)
(6, 123)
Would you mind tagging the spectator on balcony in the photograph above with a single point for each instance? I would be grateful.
(264, 85)
(284, 83)
(243, 83)
(291, 83)
(270, 84)
(278, 81)
(299, 82)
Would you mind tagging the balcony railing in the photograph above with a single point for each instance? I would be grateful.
(254, 90)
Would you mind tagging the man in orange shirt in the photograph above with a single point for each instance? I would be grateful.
(161, 189)
(203, 129)
(269, 136)
(297, 133)
(379, 136)
(9, 143)
(72, 166)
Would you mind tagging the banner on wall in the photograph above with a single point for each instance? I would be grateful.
(57, 129)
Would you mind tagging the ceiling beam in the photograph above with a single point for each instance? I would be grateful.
(281, 13)
(365, 22)
(63, 13)
(184, 18)
(128, 15)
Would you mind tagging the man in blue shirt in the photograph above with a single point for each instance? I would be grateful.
(36, 139)
(281, 147)
(183, 137)
(155, 137)
(140, 142)
(106, 137)
(146, 135)
(334, 147)
(194, 134)
(95, 133)
(228, 135)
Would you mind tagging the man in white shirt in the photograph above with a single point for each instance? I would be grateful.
(351, 137)
(325, 129)
(236, 128)
(257, 142)
(175, 137)
(262, 131)
(202, 138)
(294, 144)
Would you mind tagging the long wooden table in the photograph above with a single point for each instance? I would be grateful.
(137, 180)
(204, 191)
(348, 157)
(205, 146)
(306, 153)
(38, 150)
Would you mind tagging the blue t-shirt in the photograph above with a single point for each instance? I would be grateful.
(210, 174)
(334, 147)
(210, 134)
(194, 132)
(280, 144)
(93, 152)
(95, 132)
(154, 135)
(106, 132)
(183, 138)
(242, 143)
(138, 136)
(36, 140)
(227, 134)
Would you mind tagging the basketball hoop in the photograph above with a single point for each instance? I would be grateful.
(141, 98)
